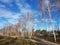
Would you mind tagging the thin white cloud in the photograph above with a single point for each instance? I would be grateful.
(6, 1)
(13, 21)
(24, 11)
(10, 16)
(2, 6)
(13, 17)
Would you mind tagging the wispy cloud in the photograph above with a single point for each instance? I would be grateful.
(11, 16)
(6, 1)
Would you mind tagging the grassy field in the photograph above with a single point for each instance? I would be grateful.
(20, 41)
(6, 40)
(15, 41)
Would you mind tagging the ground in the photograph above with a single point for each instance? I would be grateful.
(22, 41)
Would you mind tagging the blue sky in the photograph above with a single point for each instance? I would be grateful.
(10, 10)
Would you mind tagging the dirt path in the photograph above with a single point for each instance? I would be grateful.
(48, 42)
(43, 42)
